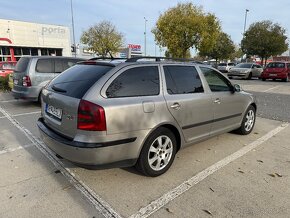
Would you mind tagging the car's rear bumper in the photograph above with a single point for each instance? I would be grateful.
(273, 75)
(29, 93)
(103, 155)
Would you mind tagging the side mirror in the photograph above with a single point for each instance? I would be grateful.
(237, 88)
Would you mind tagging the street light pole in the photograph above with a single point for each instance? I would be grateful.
(73, 27)
(145, 48)
(245, 24)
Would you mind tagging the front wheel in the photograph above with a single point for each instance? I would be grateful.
(248, 121)
(249, 76)
(158, 153)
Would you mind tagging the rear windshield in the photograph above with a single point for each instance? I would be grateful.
(276, 65)
(77, 80)
(222, 64)
(21, 65)
(244, 66)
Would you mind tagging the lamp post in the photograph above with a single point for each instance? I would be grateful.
(73, 27)
(145, 49)
(245, 24)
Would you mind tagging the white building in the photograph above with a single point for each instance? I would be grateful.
(33, 39)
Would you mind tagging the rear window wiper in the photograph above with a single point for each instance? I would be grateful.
(57, 89)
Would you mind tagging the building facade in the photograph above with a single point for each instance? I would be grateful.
(34, 39)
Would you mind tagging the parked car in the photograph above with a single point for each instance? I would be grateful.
(277, 70)
(6, 68)
(225, 67)
(139, 113)
(31, 74)
(246, 71)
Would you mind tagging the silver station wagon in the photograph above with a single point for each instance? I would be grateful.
(110, 114)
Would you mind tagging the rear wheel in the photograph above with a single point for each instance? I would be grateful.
(248, 121)
(158, 153)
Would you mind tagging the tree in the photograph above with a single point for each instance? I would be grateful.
(185, 26)
(223, 48)
(103, 38)
(264, 39)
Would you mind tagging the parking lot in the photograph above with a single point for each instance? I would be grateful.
(227, 176)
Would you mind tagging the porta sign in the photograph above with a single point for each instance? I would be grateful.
(134, 47)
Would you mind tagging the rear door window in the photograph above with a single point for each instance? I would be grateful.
(182, 80)
(77, 80)
(44, 66)
(58, 66)
(63, 64)
(137, 81)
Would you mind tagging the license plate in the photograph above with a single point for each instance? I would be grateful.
(273, 74)
(55, 112)
(15, 82)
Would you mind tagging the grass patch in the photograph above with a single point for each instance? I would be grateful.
(4, 86)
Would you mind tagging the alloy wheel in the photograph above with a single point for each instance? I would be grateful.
(160, 153)
(250, 120)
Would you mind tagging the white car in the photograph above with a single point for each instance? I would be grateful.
(246, 71)
(225, 67)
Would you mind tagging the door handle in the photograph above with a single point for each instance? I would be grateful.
(217, 101)
(175, 106)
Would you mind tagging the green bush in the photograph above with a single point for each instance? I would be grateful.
(4, 83)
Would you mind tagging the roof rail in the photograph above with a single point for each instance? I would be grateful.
(106, 58)
(158, 59)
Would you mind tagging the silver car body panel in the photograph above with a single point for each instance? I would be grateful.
(197, 118)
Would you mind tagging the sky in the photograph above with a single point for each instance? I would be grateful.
(128, 15)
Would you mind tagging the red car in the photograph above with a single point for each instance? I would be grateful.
(6, 67)
(277, 70)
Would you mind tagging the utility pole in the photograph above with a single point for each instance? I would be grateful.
(145, 48)
(73, 27)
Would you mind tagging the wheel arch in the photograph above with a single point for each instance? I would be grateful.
(177, 133)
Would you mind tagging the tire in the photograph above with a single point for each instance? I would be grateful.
(160, 160)
(246, 128)
(250, 76)
(286, 79)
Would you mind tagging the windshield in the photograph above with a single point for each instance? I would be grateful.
(77, 80)
(222, 64)
(276, 65)
(244, 65)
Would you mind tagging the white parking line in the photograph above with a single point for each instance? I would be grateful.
(23, 114)
(185, 186)
(7, 101)
(267, 90)
(9, 150)
(102, 206)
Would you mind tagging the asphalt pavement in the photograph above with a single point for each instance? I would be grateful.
(226, 176)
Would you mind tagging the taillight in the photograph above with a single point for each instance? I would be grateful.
(26, 81)
(91, 117)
